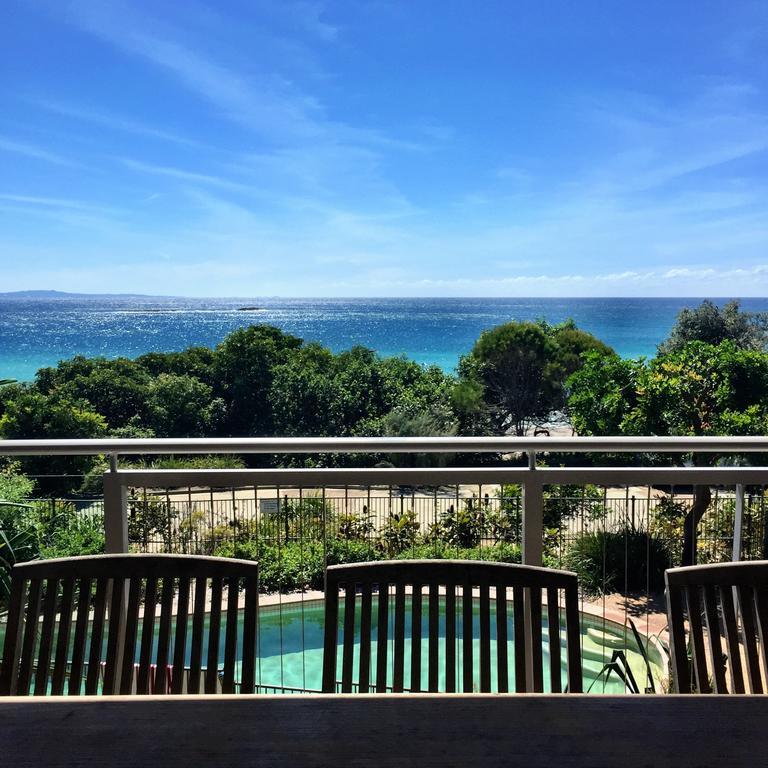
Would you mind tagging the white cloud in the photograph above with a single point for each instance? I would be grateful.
(33, 151)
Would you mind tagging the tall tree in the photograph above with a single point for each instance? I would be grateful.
(520, 370)
(714, 325)
(700, 389)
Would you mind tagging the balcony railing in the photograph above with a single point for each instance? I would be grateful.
(532, 479)
(201, 510)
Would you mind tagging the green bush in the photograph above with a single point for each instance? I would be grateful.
(399, 533)
(80, 536)
(462, 525)
(608, 561)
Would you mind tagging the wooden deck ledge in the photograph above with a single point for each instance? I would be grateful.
(421, 730)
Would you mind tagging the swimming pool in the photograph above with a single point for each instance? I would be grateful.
(291, 650)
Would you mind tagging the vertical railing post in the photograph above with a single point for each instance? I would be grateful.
(115, 511)
(533, 540)
(533, 515)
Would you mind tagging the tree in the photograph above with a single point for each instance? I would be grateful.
(701, 389)
(194, 361)
(117, 389)
(713, 325)
(244, 371)
(521, 369)
(182, 406)
(31, 414)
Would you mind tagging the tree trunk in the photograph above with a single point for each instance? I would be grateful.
(702, 495)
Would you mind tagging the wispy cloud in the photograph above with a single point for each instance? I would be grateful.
(118, 122)
(33, 151)
(189, 177)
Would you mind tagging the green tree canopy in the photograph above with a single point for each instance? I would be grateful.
(700, 389)
(31, 414)
(116, 389)
(182, 406)
(714, 325)
(243, 373)
(520, 370)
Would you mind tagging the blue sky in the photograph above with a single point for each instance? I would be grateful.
(373, 148)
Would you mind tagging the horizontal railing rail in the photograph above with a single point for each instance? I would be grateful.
(218, 445)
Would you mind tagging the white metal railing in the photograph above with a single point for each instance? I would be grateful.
(154, 446)
(532, 479)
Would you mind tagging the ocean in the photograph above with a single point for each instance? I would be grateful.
(37, 332)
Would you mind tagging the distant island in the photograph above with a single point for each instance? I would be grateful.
(52, 295)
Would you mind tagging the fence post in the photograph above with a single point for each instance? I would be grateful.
(738, 523)
(115, 512)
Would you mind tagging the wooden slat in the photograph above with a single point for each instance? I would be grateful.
(518, 606)
(485, 639)
(416, 637)
(97, 636)
(230, 637)
(434, 637)
(128, 673)
(250, 624)
(364, 676)
(9, 671)
(697, 640)
(735, 667)
(713, 637)
(115, 638)
(46, 637)
(399, 662)
(502, 641)
(348, 638)
(331, 635)
(450, 638)
(573, 638)
(382, 639)
(81, 636)
(534, 596)
(214, 636)
(147, 636)
(198, 623)
(30, 637)
(164, 635)
(467, 660)
(180, 636)
(678, 647)
(749, 635)
(553, 629)
(62, 639)
(761, 610)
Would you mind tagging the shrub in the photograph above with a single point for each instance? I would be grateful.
(606, 561)
(80, 536)
(399, 533)
(462, 526)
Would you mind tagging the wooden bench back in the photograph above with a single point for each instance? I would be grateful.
(450, 589)
(725, 608)
(81, 622)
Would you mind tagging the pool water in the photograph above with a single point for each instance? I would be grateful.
(291, 649)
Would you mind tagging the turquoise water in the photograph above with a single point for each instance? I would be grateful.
(39, 332)
(291, 649)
